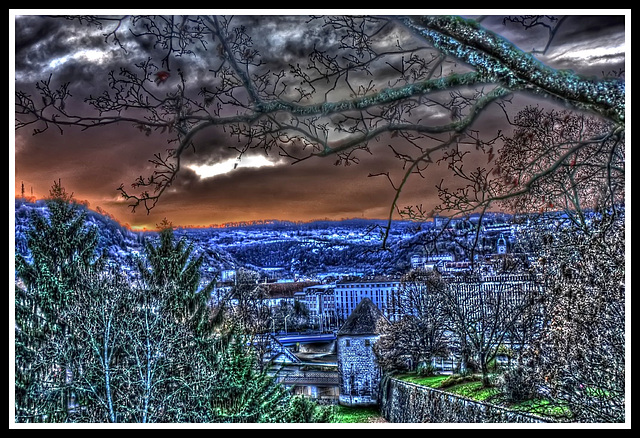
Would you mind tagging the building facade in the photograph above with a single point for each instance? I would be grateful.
(320, 301)
(383, 293)
(499, 294)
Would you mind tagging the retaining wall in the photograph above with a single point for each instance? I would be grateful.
(404, 402)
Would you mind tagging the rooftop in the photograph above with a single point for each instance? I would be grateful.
(366, 319)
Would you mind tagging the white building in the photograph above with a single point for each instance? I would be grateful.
(454, 267)
(434, 260)
(440, 258)
(320, 301)
(512, 290)
(418, 261)
(227, 275)
(383, 293)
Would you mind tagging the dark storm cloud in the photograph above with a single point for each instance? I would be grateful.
(30, 31)
(33, 30)
(73, 50)
(92, 164)
(591, 27)
(285, 39)
(41, 40)
(589, 45)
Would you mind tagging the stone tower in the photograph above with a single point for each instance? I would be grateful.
(358, 369)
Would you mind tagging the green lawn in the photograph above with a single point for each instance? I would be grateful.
(347, 414)
(471, 387)
(430, 381)
(474, 391)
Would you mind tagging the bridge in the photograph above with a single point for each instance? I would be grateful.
(303, 338)
(276, 348)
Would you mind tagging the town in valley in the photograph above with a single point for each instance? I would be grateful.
(311, 278)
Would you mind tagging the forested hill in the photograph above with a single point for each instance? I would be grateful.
(352, 246)
(116, 239)
(277, 248)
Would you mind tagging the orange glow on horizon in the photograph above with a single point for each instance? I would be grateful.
(146, 227)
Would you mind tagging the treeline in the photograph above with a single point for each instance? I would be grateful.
(93, 346)
(317, 257)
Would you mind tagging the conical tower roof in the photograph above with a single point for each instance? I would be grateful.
(366, 319)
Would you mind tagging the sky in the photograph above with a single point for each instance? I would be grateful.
(214, 187)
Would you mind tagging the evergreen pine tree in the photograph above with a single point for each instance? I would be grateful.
(61, 248)
(169, 269)
(242, 393)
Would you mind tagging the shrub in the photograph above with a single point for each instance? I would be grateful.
(518, 384)
(426, 369)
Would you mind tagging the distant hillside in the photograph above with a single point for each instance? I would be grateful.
(278, 249)
(295, 251)
(120, 242)
(281, 249)
(112, 236)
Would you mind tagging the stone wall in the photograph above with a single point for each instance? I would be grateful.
(404, 402)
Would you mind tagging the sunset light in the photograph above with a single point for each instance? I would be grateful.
(227, 166)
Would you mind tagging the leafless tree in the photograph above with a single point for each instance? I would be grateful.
(247, 311)
(296, 316)
(561, 161)
(484, 310)
(579, 359)
(134, 361)
(576, 211)
(419, 334)
(131, 360)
